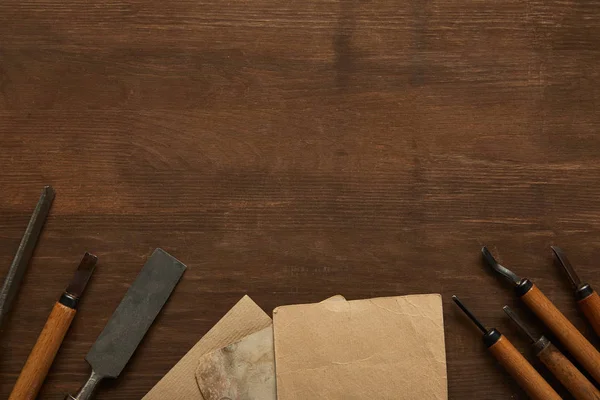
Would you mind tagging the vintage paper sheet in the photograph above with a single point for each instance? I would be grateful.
(382, 348)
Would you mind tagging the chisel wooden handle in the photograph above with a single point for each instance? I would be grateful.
(519, 368)
(570, 337)
(41, 357)
(590, 306)
(568, 374)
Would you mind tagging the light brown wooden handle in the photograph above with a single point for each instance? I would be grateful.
(41, 357)
(519, 368)
(568, 374)
(569, 336)
(590, 306)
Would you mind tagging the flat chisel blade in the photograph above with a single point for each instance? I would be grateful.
(25, 251)
(132, 318)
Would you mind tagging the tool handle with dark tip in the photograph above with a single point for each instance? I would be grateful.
(575, 382)
(42, 355)
(87, 391)
(569, 336)
(520, 369)
(590, 306)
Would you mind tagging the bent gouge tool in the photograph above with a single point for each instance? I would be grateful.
(131, 320)
(575, 382)
(563, 329)
(511, 359)
(587, 298)
(25, 251)
(41, 357)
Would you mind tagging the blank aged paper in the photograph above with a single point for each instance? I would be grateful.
(382, 348)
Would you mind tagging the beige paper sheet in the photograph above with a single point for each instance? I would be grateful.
(241, 370)
(179, 383)
(382, 348)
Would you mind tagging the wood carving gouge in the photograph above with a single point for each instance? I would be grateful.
(512, 360)
(542, 307)
(43, 353)
(557, 363)
(587, 298)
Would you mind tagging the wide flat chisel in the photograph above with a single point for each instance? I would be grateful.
(131, 320)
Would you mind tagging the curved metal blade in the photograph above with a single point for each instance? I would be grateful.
(505, 272)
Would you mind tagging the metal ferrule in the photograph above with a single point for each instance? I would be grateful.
(583, 291)
(69, 300)
(523, 287)
(540, 345)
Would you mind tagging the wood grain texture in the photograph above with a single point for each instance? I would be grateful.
(568, 374)
(581, 349)
(590, 306)
(522, 371)
(293, 151)
(42, 355)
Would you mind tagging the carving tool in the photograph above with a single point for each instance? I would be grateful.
(41, 357)
(517, 366)
(131, 320)
(557, 363)
(25, 251)
(570, 337)
(587, 298)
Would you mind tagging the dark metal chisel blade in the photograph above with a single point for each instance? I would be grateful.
(132, 318)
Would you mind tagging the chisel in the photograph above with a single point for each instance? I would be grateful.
(510, 358)
(25, 251)
(131, 320)
(587, 298)
(41, 357)
(569, 336)
(557, 363)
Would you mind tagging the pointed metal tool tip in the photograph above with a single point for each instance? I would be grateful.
(520, 323)
(82, 275)
(564, 262)
(505, 272)
(469, 314)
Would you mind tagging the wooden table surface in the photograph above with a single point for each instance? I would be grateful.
(292, 151)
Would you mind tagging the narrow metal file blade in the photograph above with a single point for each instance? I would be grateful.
(15, 274)
(132, 318)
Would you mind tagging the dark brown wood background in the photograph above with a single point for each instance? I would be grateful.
(293, 151)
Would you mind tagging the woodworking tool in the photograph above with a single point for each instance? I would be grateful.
(587, 298)
(131, 320)
(25, 251)
(511, 359)
(41, 357)
(557, 363)
(570, 337)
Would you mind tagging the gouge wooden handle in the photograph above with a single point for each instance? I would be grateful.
(520, 369)
(590, 306)
(39, 361)
(570, 337)
(568, 374)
